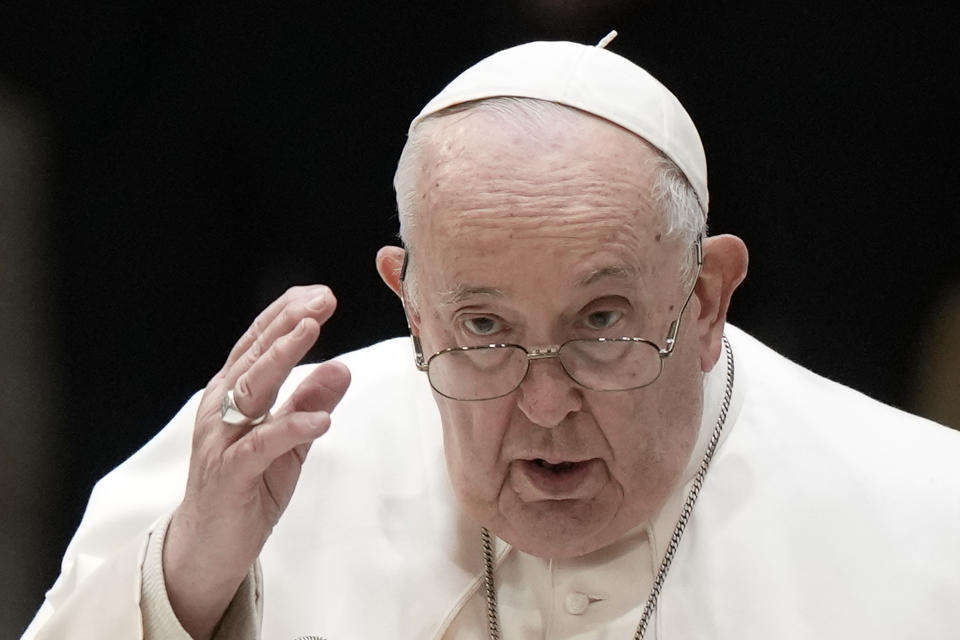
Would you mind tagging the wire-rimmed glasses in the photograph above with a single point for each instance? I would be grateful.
(485, 372)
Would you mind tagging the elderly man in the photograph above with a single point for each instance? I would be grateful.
(586, 451)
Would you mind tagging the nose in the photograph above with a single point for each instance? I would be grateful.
(547, 395)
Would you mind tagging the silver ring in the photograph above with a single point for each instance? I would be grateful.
(230, 413)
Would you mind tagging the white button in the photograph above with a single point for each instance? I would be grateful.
(576, 603)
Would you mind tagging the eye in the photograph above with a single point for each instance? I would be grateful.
(482, 325)
(603, 319)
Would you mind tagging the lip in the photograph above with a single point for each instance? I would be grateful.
(533, 481)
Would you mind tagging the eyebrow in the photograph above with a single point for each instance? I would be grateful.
(461, 293)
(614, 271)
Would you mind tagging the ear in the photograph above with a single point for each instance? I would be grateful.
(724, 268)
(390, 267)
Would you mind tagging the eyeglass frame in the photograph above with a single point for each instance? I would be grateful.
(551, 351)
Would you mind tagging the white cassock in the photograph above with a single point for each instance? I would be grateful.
(824, 515)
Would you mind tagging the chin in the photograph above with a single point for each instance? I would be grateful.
(558, 529)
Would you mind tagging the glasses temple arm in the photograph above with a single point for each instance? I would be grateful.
(675, 325)
(417, 347)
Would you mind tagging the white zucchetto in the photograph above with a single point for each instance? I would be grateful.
(593, 80)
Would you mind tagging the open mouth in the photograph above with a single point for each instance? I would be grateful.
(558, 467)
(537, 479)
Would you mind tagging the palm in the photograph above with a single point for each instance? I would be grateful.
(278, 482)
(242, 477)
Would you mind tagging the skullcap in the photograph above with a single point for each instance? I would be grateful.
(593, 80)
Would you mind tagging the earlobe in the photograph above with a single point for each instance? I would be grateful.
(390, 265)
(724, 268)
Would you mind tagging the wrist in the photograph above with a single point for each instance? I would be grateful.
(201, 579)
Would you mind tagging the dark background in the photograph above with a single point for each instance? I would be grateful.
(200, 160)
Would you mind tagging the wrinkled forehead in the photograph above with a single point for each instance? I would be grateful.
(505, 135)
(504, 188)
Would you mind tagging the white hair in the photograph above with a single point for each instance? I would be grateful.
(684, 217)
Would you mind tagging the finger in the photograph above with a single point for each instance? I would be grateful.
(313, 295)
(250, 456)
(255, 390)
(299, 303)
(322, 390)
(279, 318)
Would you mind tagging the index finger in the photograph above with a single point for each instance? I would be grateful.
(279, 318)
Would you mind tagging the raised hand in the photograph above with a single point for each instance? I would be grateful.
(243, 476)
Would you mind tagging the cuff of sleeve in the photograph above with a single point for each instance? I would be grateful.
(241, 621)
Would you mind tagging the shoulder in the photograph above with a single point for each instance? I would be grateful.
(777, 385)
(827, 498)
(826, 444)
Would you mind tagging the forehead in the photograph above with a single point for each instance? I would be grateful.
(475, 151)
(571, 187)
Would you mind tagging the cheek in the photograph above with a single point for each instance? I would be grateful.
(473, 435)
(651, 434)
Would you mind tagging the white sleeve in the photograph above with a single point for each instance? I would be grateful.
(241, 621)
(103, 574)
(97, 594)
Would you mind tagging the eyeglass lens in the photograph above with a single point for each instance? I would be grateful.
(490, 372)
